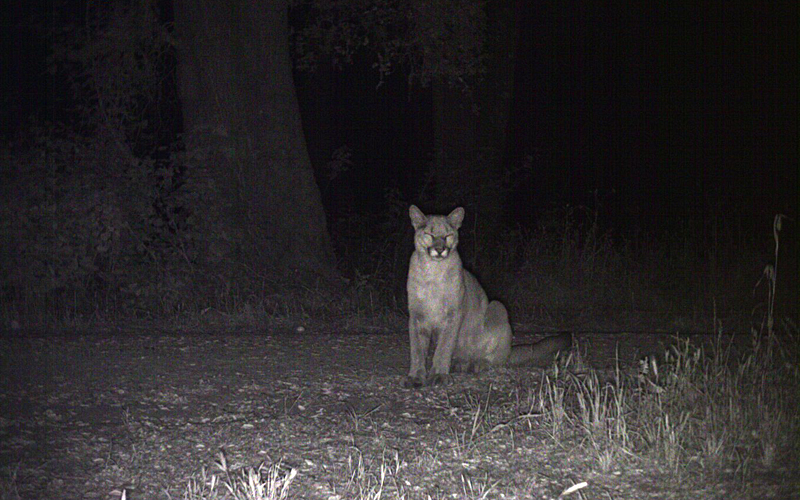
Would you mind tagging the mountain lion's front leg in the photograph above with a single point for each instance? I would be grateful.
(445, 345)
(419, 341)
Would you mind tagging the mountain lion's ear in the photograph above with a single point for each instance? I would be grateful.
(418, 219)
(456, 217)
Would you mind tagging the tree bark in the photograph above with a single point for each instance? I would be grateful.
(242, 128)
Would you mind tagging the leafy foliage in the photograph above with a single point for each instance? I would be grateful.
(102, 209)
(441, 40)
(116, 63)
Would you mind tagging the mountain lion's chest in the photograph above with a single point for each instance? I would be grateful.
(435, 289)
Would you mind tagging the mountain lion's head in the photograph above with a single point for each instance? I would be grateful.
(436, 235)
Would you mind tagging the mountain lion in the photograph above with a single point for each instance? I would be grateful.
(447, 304)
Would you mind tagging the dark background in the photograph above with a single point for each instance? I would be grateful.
(676, 125)
(667, 106)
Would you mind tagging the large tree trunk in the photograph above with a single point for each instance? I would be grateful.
(242, 126)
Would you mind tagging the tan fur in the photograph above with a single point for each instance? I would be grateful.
(446, 304)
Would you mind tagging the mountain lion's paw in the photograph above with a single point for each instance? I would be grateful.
(440, 378)
(413, 382)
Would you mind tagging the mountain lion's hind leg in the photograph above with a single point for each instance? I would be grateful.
(497, 330)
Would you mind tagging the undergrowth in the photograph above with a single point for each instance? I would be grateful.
(565, 276)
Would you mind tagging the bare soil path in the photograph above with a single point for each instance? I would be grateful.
(88, 416)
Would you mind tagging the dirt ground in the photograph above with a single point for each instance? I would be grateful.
(86, 416)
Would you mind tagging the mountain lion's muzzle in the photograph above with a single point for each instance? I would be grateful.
(439, 249)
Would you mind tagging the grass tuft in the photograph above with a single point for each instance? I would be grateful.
(259, 483)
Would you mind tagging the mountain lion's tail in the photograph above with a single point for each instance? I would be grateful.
(542, 353)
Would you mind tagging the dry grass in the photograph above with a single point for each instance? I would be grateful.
(259, 483)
